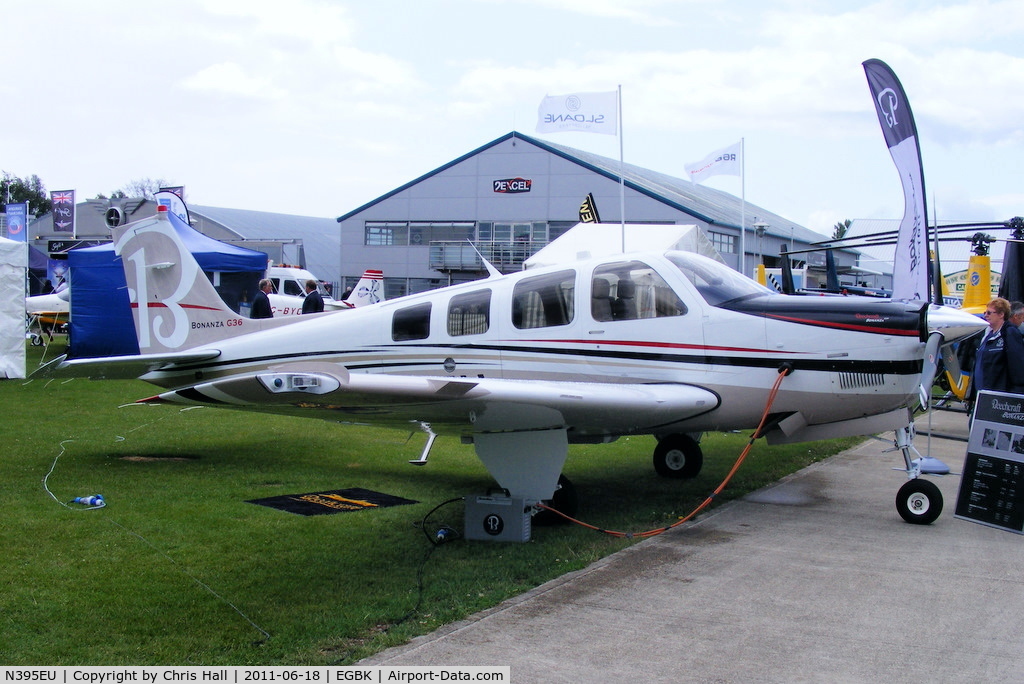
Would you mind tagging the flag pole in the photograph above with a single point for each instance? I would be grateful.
(622, 178)
(743, 208)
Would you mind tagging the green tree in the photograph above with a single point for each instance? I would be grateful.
(839, 230)
(140, 187)
(29, 189)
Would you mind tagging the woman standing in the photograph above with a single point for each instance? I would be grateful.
(999, 365)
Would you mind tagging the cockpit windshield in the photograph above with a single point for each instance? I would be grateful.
(716, 282)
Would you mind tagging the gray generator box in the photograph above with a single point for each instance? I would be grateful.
(497, 518)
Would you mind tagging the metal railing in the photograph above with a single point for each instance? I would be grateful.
(461, 256)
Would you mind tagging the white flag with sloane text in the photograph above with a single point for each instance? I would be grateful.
(724, 161)
(586, 112)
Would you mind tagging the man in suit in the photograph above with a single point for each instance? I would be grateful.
(313, 303)
(261, 302)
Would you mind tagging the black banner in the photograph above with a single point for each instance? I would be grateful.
(588, 210)
(910, 266)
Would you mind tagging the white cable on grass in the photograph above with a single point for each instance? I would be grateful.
(53, 496)
(102, 504)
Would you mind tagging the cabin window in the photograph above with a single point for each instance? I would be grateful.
(716, 282)
(470, 313)
(629, 290)
(544, 301)
(411, 323)
(291, 287)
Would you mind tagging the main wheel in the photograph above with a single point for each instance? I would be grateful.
(919, 502)
(564, 500)
(678, 456)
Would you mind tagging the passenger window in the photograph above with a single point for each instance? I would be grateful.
(469, 314)
(629, 290)
(291, 287)
(544, 301)
(412, 323)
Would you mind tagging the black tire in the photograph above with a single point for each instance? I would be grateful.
(919, 502)
(678, 456)
(564, 500)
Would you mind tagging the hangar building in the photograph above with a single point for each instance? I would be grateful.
(505, 199)
(515, 194)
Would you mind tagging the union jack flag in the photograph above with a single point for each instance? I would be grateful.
(63, 197)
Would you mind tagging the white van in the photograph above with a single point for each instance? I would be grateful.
(290, 289)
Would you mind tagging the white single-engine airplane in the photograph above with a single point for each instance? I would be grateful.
(670, 344)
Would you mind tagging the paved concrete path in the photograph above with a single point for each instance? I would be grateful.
(814, 579)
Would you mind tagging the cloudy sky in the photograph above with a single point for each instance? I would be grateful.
(316, 107)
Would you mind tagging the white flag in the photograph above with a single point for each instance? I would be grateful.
(587, 112)
(723, 161)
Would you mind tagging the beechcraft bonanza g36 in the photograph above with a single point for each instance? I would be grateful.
(670, 344)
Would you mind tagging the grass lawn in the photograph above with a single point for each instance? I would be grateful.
(178, 569)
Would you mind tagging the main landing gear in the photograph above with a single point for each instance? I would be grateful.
(678, 456)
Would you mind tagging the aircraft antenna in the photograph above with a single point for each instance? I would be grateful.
(492, 272)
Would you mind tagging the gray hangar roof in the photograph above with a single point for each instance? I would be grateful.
(319, 236)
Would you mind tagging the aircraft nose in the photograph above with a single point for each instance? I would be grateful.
(953, 323)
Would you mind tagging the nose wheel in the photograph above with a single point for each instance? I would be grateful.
(919, 502)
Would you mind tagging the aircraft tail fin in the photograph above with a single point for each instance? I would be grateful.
(174, 304)
(369, 289)
(978, 288)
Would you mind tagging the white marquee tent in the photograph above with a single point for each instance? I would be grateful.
(586, 240)
(13, 262)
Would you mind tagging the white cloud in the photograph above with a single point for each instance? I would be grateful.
(228, 78)
(342, 99)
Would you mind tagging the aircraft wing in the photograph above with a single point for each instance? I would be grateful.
(118, 367)
(461, 404)
(64, 315)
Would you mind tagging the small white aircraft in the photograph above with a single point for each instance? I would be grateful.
(48, 312)
(670, 344)
(56, 302)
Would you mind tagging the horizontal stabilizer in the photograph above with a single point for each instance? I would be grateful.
(118, 367)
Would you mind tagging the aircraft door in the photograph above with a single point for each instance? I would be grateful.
(540, 324)
(638, 325)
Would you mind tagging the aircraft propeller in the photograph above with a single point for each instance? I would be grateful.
(931, 367)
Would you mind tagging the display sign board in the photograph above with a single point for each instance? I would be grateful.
(60, 246)
(992, 485)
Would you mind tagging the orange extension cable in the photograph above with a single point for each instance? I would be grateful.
(783, 372)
